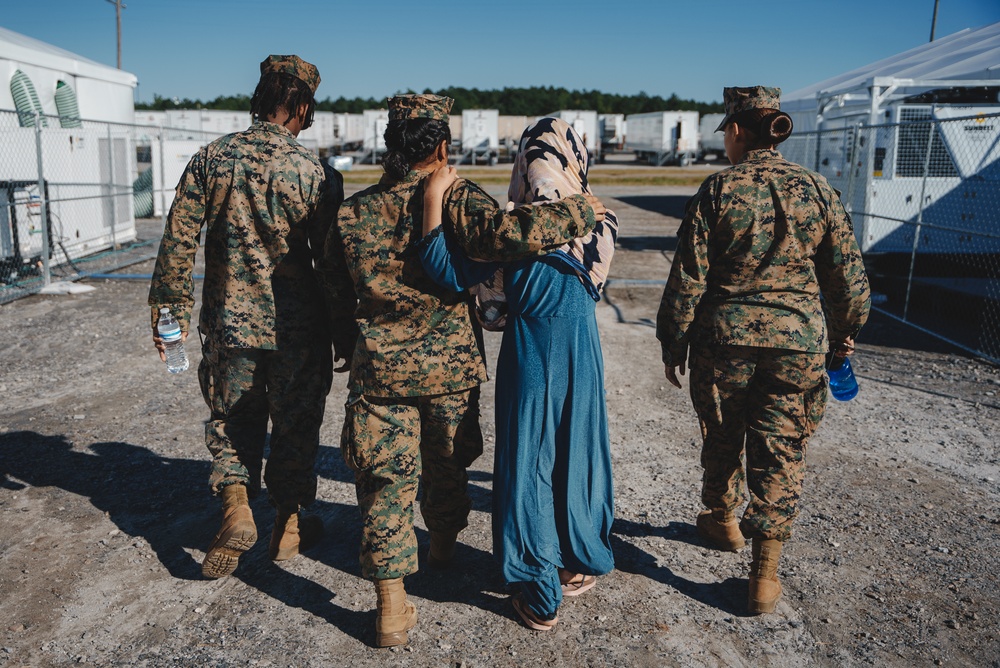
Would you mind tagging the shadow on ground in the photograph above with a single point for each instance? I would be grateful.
(160, 499)
(728, 595)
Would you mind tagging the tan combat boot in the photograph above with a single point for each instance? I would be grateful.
(396, 615)
(765, 590)
(237, 535)
(442, 549)
(293, 533)
(721, 529)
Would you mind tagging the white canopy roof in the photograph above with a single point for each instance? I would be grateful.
(971, 55)
(23, 49)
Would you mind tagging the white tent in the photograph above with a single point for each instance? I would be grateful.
(968, 58)
(103, 93)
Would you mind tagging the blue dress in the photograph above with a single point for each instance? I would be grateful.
(553, 502)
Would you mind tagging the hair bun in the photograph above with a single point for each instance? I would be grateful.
(778, 127)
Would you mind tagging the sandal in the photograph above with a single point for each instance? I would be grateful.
(530, 619)
(576, 587)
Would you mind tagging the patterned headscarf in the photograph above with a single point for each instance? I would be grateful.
(551, 164)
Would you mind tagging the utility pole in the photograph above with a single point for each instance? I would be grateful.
(933, 20)
(118, 20)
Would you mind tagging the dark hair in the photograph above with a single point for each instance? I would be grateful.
(766, 127)
(411, 140)
(278, 90)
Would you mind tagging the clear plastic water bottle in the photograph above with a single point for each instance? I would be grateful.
(843, 384)
(170, 331)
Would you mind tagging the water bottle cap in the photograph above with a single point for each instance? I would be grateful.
(164, 310)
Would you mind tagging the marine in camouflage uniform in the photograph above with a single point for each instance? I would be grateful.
(413, 407)
(265, 205)
(759, 245)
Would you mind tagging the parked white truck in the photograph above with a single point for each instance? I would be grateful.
(710, 142)
(664, 137)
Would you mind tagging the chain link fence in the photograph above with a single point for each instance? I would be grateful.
(79, 198)
(924, 195)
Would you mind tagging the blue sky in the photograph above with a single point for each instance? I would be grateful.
(372, 48)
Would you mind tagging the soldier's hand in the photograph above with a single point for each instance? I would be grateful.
(671, 373)
(346, 366)
(439, 181)
(844, 348)
(158, 344)
(597, 206)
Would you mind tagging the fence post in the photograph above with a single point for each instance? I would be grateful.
(111, 190)
(163, 182)
(43, 211)
(851, 177)
(920, 215)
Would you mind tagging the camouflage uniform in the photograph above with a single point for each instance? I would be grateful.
(266, 205)
(417, 363)
(759, 243)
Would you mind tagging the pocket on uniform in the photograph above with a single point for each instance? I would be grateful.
(370, 430)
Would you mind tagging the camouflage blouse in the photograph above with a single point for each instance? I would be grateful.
(266, 204)
(759, 243)
(416, 338)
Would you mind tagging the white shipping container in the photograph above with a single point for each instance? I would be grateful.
(103, 93)
(712, 141)
(664, 136)
(322, 133)
(219, 122)
(511, 127)
(352, 128)
(586, 125)
(612, 129)
(480, 129)
(176, 155)
(88, 180)
(374, 122)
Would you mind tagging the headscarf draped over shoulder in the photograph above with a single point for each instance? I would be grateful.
(551, 164)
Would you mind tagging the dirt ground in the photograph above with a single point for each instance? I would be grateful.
(106, 513)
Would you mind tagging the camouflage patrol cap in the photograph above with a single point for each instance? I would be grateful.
(403, 107)
(293, 65)
(739, 99)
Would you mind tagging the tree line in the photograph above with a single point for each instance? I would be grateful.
(534, 101)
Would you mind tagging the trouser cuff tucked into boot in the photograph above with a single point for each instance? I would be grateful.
(293, 533)
(442, 549)
(721, 529)
(237, 534)
(765, 589)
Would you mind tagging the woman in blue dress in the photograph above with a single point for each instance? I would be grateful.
(552, 492)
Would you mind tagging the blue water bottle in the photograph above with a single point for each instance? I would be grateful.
(843, 384)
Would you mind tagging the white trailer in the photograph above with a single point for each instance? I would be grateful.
(936, 165)
(711, 142)
(87, 170)
(373, 132)
(321, 135)
(480, 135)
(662, 137)
(586, 125)
(612, 131)
(913, 144)
(510, 130)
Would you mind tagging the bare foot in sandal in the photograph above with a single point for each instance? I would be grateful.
(574, 584)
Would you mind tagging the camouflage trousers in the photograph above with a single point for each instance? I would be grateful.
(766, 403)
(394, 443)
(243, 388)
